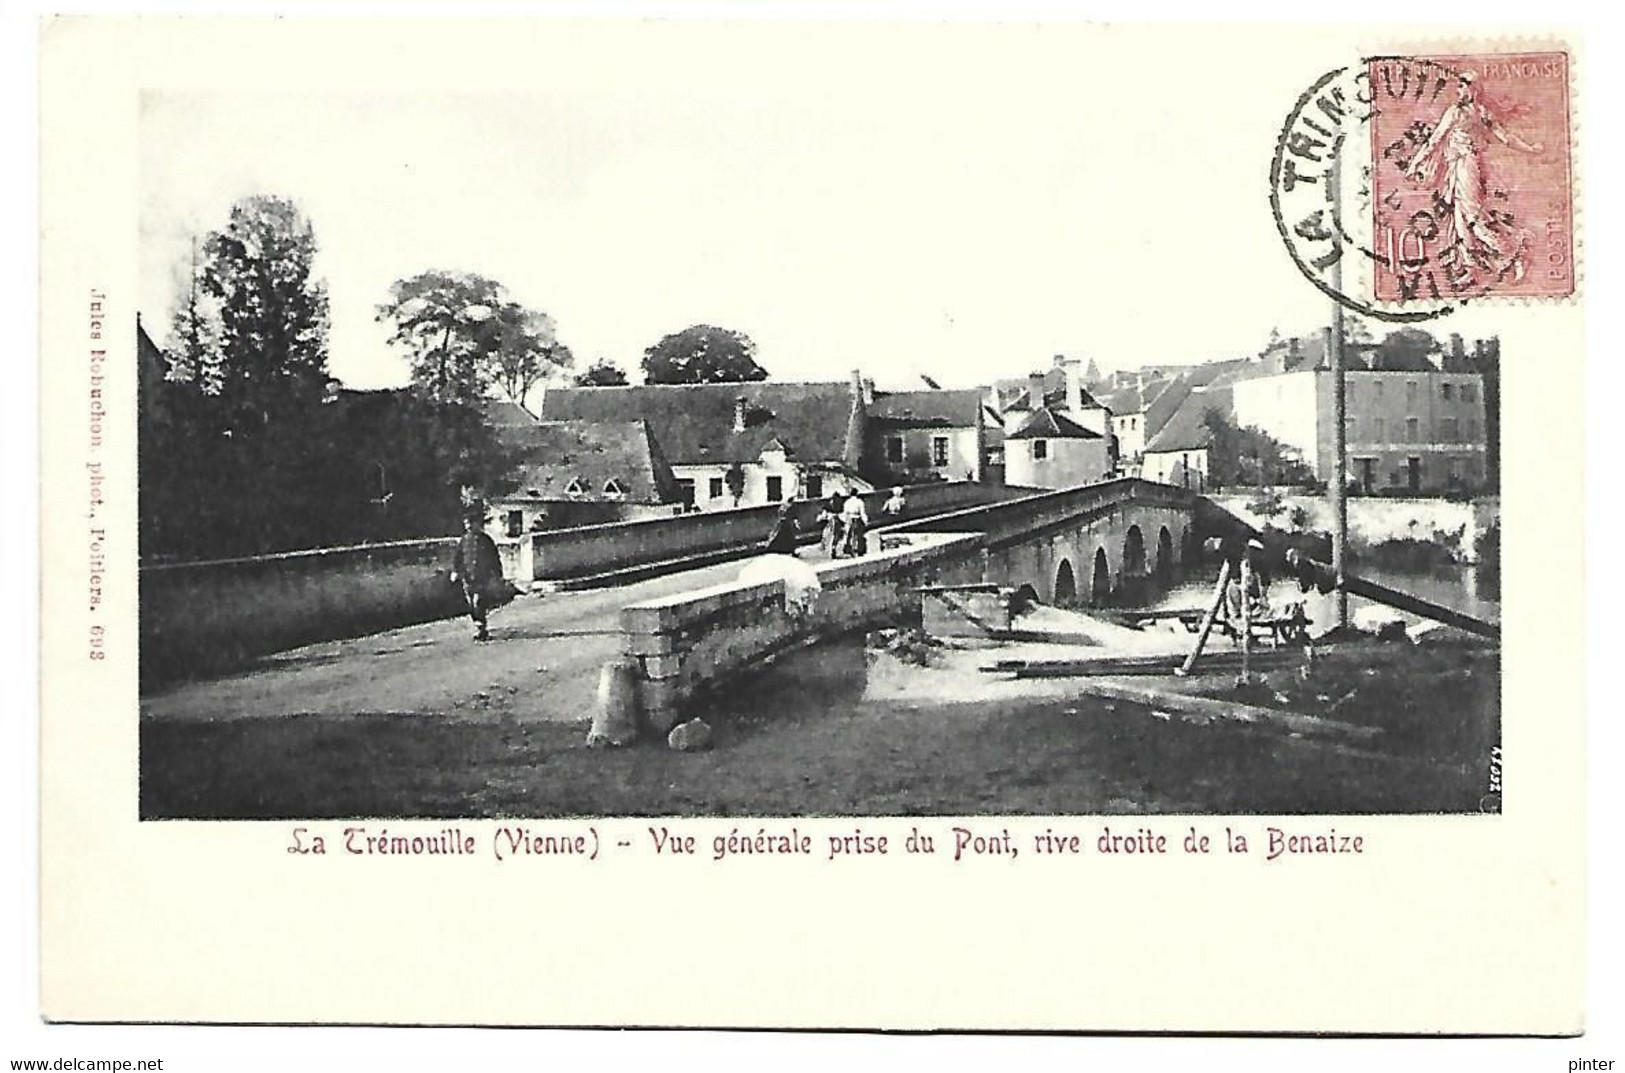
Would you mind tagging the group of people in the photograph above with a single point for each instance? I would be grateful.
(843, 522)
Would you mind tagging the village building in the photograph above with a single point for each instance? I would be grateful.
(1413, 426)
(1179, 453)
(739, 444)
(1056, 434)
(1048, 449)
(570, 473)
(938, 435)
(1138, 414)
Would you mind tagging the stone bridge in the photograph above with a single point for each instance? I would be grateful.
(1076, 545)
(1084, 545)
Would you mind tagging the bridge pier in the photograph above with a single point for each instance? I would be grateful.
(1080, 544)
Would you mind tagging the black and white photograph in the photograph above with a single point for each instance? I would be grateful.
(820, 525)
(651, 449)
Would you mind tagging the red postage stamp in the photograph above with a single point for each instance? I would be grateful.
(1471, 187)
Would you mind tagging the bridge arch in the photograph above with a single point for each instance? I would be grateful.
(1133, 553)
(1100, 582)
(1165, 556)
(1066, 585)
(1026, 596)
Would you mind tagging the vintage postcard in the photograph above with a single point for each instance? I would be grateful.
(864, 525)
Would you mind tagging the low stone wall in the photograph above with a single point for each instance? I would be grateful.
(1374, 520)
(561, 554)
(691, 642)
(210, 615)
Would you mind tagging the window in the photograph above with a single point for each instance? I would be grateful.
(1413, 429)
(1040, 450)
(1351, 429)
(939, 450)
(775, 489)
(1447, 429)
(685, 491)
(1376, 389)
(1447, 390)
(714, 488)
(1469, 393)
(815, 486)
(575, 487)
(1472, 430)
(894, 448)
(1410, 391)
(516, 523)
(1379, 430)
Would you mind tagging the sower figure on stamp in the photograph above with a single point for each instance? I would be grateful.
(1450, 161)
(479, 568)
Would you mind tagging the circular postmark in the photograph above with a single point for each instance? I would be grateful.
(1388, 194)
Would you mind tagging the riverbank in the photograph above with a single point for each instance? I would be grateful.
(1406, 533)
(842, 730)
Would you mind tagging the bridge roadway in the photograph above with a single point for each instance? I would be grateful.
(544, 657)
(541, 663)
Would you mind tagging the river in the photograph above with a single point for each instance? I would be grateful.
(1468, 589)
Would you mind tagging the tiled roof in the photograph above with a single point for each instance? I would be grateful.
(959, 408)
(1049, 424)
(1187, 430)
(694, 423)
(1134, 400)
(550, 455)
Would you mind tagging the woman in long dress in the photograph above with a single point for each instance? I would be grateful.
(781, 563)
(1451, 162)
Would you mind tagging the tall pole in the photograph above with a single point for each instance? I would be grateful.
(1340, 463)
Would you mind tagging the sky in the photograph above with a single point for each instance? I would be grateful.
(962, 202)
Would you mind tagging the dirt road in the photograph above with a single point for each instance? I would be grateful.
(541, 663)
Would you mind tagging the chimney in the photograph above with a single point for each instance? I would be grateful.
(868, 391)
(1073, 372)
(739, 414)
(1294, 354)
(1035, 390)
(1060, 361)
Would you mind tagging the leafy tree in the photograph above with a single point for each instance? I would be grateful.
(1245, 455)
(702, 354)
(602, 373)
(272, 312)
(465, 337)
(1408, 349)
(528, 350)
(450, 326)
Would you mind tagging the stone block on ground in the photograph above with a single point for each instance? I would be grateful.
(615, 717)
(690, 737)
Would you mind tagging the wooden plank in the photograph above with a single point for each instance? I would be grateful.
(1228, 710)
(1207, 621)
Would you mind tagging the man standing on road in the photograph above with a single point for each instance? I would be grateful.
(479, 568)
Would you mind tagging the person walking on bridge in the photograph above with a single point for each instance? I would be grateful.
(829, 519)
(479, 568)
(855, 520)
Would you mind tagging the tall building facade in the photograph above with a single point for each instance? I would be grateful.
(1417, 432)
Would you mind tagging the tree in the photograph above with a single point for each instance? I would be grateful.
(272, 312)
(464, 338)
(1407, 350)
(246, 466)
(1245, 455)
(702, 354)
(602, 373)
(528, 350)
(448, 323)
